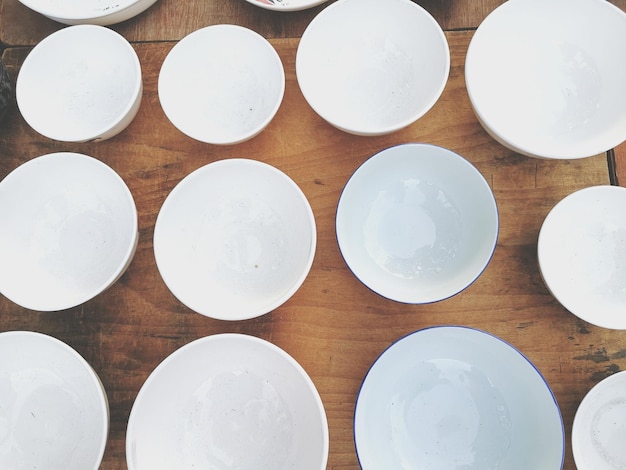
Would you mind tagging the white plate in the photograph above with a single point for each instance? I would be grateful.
(286, 5)
(417, 223)
(582, 254)
(235, 239)
(100, 12)
(599, 431)
(53, 408)
(228, 401)
(68, 232)
(451, 398)
(222, 84)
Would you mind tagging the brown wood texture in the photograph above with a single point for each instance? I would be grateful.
(334, 326)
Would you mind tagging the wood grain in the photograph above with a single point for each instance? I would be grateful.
(334, 326)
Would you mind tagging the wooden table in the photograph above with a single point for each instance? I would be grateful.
(334, 326)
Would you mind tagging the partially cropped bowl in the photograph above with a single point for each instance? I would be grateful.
(82, 83)
(69, 231)
(222, 84)
(546, 79)
(417, 223)
(372, 67)
(100, 12)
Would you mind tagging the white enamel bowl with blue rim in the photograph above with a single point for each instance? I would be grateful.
(235, 239)
(372, 67)
(417, 223)
(69, 231)
(286, 5)
(54, 411)
(582, 254)
(99, 12)
(546, 79)
(599, 430)
(82, 83)
(454, 397)
(222, 84)
(228, 401)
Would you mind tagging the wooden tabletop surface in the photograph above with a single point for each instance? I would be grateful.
(333, 326)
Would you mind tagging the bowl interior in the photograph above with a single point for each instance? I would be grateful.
(101, 12)
(222, 84)
(54, 408)
(228, 400)
(235, 239)
(582, 254)
(69, 231)
(549, 84)
(79, 84)
(417, 223)
(371, 67)
(286, 5)
(453, 397)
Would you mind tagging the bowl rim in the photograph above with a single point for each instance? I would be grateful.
(241, 338)
(113, 11)
(412, 299)
(298, 5)
(205, 172)
(397, 125)
(466, 330)
(63, 35)
(89, 374)
(505, 140)
(23, 170)
(191, 40)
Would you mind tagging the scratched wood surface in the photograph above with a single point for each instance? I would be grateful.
(334, 326)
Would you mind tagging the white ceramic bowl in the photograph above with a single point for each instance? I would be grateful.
(370, 67)
(546, 79)
(54, 411)
(582, 254)
(417, 223)
(235, 239)
(68, 232)
(453, 397)
(228, 401)
(222, 84)
(286, 5)
(81, 83)
(599, 430)
(100, 12)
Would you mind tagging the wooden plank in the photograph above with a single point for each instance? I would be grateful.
(334, 326)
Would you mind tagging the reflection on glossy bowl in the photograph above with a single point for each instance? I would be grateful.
(454, 397)
(599, 430)
(546, 79)
(222, 84)
(228, 401)
(582, 254)
(68, 231)
(371, 67)
(81, 83)
(417, 223)
(235, 239)
(99, 12)
(286, 5)
(54, 411)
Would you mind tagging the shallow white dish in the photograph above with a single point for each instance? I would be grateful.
(54, 411)
(235, 239)
(599, 430)
(81, 83)
(68, 232)
(546, 79)
(582, 254)
(222, 84)
(228, 401)
(370, 67)
(100, 12)
(417, 223)
(453, 397)
(286, 5)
